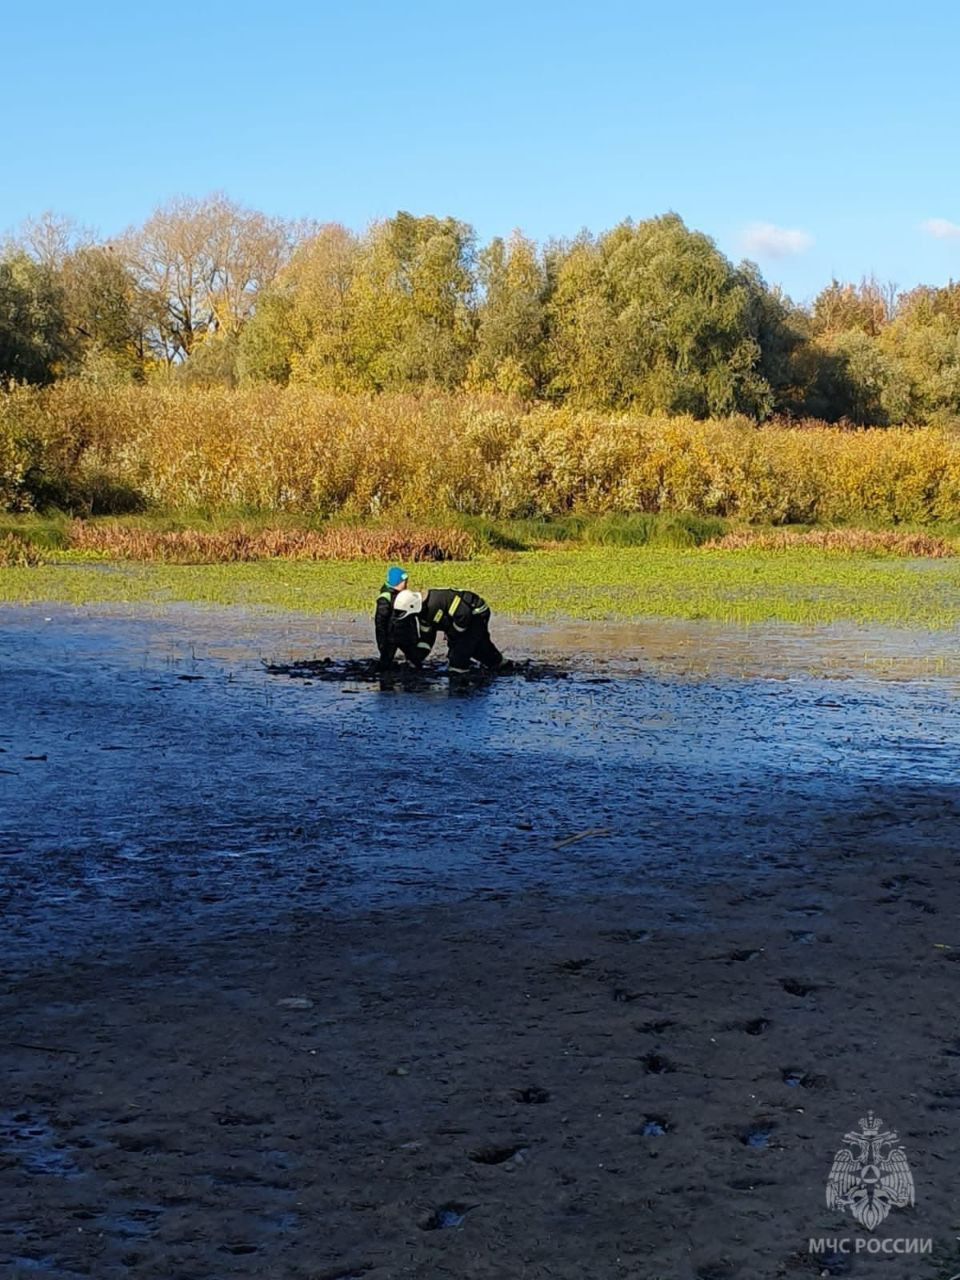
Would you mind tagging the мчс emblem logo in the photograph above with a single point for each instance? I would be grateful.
(870, 1175)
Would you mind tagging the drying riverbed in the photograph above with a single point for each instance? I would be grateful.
(585, 971)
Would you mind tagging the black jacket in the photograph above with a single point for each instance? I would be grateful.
(444, 609)
(452, 609)
(382, 623)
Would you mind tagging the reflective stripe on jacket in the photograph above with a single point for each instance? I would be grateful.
(452, 609)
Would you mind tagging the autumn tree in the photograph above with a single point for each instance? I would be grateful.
(92, 291)
(585, 359)
(784, 338)
(412, 300)
(856, 380)
(843, 308)
(104, 313)
(50, 238)
(300, 330)
(34, 342)
(653, 315)
(199, 265)
(923, 343)
(512, 321)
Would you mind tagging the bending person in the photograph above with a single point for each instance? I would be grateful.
(463, 616)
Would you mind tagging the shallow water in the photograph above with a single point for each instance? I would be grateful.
(155, 778)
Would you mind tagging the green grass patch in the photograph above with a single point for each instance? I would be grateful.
(802, 586)
(615, 530)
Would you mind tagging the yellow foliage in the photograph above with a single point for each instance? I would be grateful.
(300, 449)
(17, 553)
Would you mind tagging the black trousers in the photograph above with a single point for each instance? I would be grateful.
(474, 642)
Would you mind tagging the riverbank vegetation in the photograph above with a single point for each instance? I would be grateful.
(89, 449)
(222, 406)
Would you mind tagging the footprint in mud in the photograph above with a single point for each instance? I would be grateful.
(445, 1216)
(794, 987)
(623, 996)
(756, 1026)
(655, 1064)
(950, 1100)
(758, 1136)
(901, 881)
(30, 1139)
(716, 1271)
(927, 908)
(87, 1213)
(531, 1096)
(794, 1079)
(654, 1127)
(514, 1155)
(741, 956)
(131, 1224)
(229, 1118)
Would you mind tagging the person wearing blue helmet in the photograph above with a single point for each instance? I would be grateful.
(395, 581)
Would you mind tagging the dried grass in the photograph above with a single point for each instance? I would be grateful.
(17, 553)
(190, 546)
(876, 542)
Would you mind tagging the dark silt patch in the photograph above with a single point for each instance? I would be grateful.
(403, 675)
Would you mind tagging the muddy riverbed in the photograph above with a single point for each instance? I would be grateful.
(584, 971)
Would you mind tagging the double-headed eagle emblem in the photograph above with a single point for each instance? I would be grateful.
(870, 1175)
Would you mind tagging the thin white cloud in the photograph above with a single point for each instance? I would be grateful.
(769, 241)
(942, 228)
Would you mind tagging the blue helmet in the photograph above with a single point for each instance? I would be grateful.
(396, 577)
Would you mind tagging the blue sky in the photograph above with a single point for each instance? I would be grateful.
(817, 138)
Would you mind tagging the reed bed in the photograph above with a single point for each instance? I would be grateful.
(94, 449)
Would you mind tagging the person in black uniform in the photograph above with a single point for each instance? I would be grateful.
(395, 581)
(463, 616)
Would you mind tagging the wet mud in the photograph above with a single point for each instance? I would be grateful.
(403, 675)
(582, 972)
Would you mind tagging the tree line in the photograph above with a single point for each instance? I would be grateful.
(649, 316)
